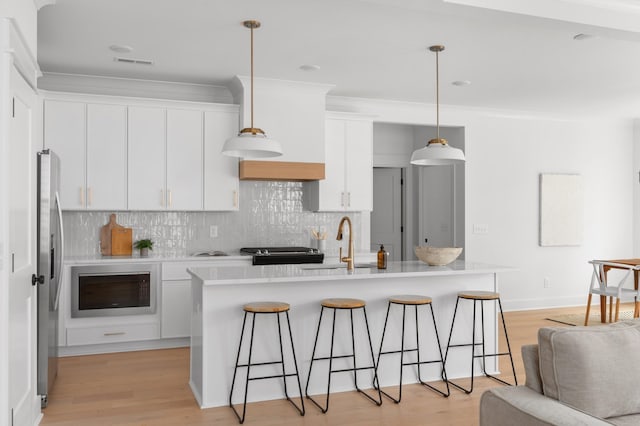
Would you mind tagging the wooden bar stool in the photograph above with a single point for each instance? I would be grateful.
(270, 308)
(347, 305)
(415, 301)
(480, 297)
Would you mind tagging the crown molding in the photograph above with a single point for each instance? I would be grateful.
(42, 3)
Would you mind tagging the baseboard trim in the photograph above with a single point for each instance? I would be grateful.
(64, 351)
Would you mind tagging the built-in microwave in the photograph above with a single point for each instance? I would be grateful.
(113, 290)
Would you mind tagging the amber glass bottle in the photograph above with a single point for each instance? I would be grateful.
(382, 257)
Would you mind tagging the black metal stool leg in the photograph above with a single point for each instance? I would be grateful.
(443, 373)
(313, 355)
(295, 365)
(235, 370)
(384, 330)
(473, 345)
(513, 368)
(246, 386)
(284, 373)
(373, 358)
(313, 358)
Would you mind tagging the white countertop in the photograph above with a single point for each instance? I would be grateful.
(98, 259)
(224, 275)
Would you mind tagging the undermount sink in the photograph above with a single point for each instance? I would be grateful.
(335, 266)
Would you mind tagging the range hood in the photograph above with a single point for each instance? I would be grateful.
(291, 112)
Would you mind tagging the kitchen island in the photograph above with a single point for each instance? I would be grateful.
(218, 294)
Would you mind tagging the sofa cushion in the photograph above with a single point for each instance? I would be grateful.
(631, 420)
(595, 369)
(531, 361)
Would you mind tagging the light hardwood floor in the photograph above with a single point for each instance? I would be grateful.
(150, 388)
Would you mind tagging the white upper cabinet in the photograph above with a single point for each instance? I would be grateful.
(137, 154)
(91, 140)
(65, 134)
(221, 182)
(184, 159)
(147, 158)
(106, 157)
(348, 183)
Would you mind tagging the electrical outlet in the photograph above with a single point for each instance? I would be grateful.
(547, 282)
(213, 231)
(480, 228)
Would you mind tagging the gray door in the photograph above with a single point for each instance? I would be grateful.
(386, 217)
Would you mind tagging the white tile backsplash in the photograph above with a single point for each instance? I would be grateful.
(270, 214)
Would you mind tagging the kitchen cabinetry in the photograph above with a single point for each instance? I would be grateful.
(348, 185)
(137, 154)
(90, 140)
(221, 184)
(165, 159)
(184, 159)
(146, 158)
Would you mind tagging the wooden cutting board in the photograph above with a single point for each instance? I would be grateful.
(105, 235)
(121, 241)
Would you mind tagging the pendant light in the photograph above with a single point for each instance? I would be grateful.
(251, 142)
(437, 152)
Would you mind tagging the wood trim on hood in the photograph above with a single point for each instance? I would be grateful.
(281, 170)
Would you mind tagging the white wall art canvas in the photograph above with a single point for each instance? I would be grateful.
(561, 210)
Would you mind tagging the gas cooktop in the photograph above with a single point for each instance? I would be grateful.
(283, 255)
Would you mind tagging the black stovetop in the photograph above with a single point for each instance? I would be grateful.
(283, 255)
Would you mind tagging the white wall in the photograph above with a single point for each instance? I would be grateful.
(506, 152)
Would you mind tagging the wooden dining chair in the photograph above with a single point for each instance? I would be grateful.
(600, 285)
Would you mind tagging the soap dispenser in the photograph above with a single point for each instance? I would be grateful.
(382, 257)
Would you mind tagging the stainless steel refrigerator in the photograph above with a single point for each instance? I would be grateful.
(49, 274)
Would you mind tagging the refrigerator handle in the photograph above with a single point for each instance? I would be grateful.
(61, 249)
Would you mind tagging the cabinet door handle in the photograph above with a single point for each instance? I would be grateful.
(342, 199)
(89, 196)
(162, 197)
(235, 198)
(81, 197)
(349, 199)
(115, 333)
(170, 198)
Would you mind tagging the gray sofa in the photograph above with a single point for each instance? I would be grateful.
(574, 376)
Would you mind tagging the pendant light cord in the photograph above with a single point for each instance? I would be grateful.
(437, 98)
(252, 26)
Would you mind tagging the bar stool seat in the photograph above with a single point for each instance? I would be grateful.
(349, 305)
(342, 303)
(480, 297)
(410, 299)
(405, 300)
(265, 308)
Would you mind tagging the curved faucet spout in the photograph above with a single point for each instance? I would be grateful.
(349, 260)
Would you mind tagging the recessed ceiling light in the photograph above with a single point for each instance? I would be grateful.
(461, 83)
(121, 48)
(309, 67)
(583, 36)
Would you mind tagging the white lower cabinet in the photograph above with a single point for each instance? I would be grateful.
(112, 333)
(175, 317)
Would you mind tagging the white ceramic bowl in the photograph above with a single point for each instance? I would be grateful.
(437, 256)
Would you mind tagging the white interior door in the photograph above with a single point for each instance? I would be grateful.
(22, 248)
(386, 217)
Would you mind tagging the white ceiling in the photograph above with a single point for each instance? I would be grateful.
(518, 59)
